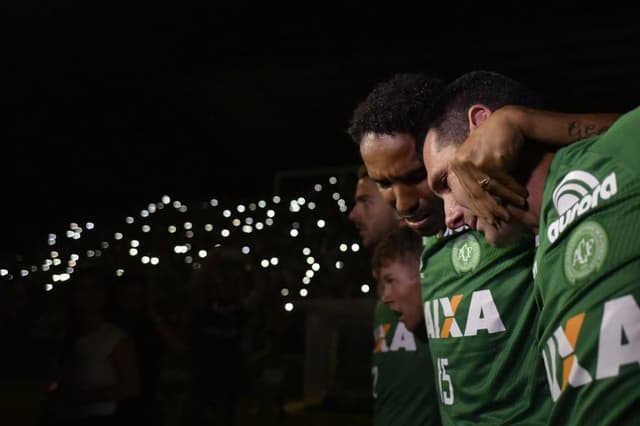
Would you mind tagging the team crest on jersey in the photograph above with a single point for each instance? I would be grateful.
(578, 193)
(465, 254)
(585, 251)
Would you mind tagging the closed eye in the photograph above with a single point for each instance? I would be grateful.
(439, 184)
(387, 279)
(383, 184)
(416, 176)
(365, 199)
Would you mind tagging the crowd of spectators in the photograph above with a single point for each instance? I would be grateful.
(178, 293)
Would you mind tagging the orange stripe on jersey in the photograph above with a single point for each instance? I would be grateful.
(455, 301)
(380, 341)
(574, 324)
(567, 365)
(446, 328)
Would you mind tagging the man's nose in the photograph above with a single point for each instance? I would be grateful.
(386, 294)
(454, 216)
(406, 200)
(353, 214)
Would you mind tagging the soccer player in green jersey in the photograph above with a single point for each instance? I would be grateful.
(404, 383)
(582, 204)
(400, 361)
(478, 301)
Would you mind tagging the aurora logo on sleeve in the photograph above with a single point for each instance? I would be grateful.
(575, 195)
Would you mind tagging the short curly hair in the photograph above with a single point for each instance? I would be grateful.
(398, 105)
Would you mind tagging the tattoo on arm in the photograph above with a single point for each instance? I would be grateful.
(579, 130)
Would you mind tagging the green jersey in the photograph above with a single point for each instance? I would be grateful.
(588, 278)
(481, 318)
(403, 383)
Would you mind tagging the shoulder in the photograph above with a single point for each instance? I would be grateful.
(628, 122)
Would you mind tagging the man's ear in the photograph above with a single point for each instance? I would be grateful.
(477, 114)
(375, 273)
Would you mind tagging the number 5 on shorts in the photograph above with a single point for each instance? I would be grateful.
(444, 378)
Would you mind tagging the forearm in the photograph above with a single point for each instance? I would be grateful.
(558, 128)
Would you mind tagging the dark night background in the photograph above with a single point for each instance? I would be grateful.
(108, 106)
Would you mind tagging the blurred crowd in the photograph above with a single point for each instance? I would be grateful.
(182, 340)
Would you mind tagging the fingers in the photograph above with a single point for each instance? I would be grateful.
(518, 192)
(479, 200)
(483, 188)
(504, 186)
(489, 209)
